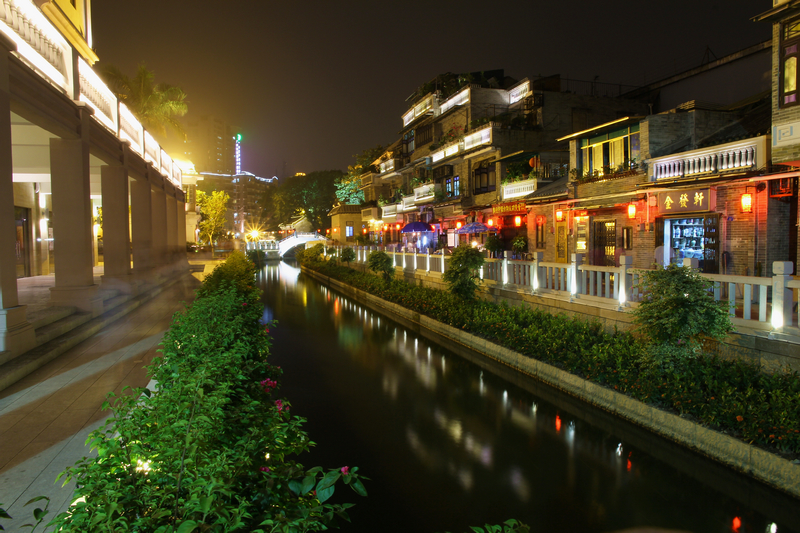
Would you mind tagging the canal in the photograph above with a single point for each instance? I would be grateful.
(450, 440)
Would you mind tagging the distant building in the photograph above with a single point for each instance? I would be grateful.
(211, 145)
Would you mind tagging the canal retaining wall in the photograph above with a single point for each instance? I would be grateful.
(748, 459)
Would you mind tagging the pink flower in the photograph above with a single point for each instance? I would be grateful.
(345, 470)
(280, 406)
(264, 469)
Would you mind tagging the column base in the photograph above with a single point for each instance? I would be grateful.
(17, 335)
(122, 283)
(85, 298)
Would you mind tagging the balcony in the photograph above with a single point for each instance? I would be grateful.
(424, 107)
(459, 99)
(370, 213)
(478, 137)
(389, 211)
(389, 167)
(748, 154)
(519, 188)
(367, 181)
(408, 204)
(447, 151)
(425, 193)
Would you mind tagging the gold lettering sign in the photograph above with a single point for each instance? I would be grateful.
(509, 208)
(685, 201)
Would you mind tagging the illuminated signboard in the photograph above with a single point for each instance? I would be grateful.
(686, 201)
(509, 208)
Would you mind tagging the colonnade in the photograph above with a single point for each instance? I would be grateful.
(144, 216)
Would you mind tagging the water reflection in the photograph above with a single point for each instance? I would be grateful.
(460, 445)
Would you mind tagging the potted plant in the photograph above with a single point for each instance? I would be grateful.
(519, 245)
(494, 244)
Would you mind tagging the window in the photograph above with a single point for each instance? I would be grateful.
(541, 232)
(424, 135)
(610, 152)
(452, 186)
(348, 229)
(408, 143)
(484, 177)
(790, 41)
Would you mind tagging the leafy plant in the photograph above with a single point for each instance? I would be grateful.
(520, 244)
(494, 244)
(348, 254)
(462, 271)
(380, 263)
(509, 526)
(678, 307)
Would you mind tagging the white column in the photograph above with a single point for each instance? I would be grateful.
(781, 294)
(171, 224)
(72, 224)
(116, 235)
(158, 228)
(182, 234)
(141, 228)
(16, 333)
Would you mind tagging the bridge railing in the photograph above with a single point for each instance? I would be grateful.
(757, 302)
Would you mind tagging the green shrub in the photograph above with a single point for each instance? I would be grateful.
(257, 257)
(380, 263)
(236, 270)
(678, 307)
(494, 244)
(462, 271)
(348, 254)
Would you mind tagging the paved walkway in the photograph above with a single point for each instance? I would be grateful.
(46, 417)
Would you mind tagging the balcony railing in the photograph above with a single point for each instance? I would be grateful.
(748, 154)
(370, 213)
(478, 137)
(50, 56)
(367, 181)
(424, 107)
(409, 203)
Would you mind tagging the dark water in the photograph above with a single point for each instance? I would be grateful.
(450, 440)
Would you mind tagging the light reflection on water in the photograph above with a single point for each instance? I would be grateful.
(496, 442)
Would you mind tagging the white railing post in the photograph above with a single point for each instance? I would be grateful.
(621, 286)
(572, 280)
(414, 258)
(442, 260)
(537, 258)
(428, 267)
(781, 294)
(394, 257)
(506, 265)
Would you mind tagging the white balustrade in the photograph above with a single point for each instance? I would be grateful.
(519, 188)
(739, 155)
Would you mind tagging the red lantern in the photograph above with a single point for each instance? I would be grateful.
(631, 210)
(397, 226)
(559, 215)
(458, 225)
(534, 162)
(517, 221)
(364, 231)
(490, 222)
(386, 227)
(747, 203)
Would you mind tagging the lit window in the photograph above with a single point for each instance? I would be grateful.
(790, 44)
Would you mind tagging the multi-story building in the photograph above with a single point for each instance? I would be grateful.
(211, 145)
(464, 136)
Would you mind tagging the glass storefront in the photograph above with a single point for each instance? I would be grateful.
(693, 237)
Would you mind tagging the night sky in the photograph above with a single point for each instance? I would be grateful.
(311, 83)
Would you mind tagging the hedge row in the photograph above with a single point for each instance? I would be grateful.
(731, 396)
(211, 449)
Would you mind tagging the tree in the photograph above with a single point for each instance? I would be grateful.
(348, 186)
(155, 105)
(381, 263)
(462, 271)
(212, 211)
(348, 254)
(311, 195)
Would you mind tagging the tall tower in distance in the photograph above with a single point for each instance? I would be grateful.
(211, 145)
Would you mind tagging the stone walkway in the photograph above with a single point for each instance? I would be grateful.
(46, 417)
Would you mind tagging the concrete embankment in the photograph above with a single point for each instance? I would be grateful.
(748, 459)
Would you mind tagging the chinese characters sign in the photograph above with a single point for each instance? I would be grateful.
(509, 208)
(685, 201)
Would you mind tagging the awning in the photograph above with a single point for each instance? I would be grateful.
(519, 156)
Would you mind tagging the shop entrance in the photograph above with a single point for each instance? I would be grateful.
(693, 237)
(561, 242)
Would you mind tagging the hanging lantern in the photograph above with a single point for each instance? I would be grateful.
(328, 230)
(559, 215)
(386, 227)
(397, 227)
(490, 222)
(631, 210)
(364, 231)
(458, 225)
(747, 203)
(518, 221)
(534, 162)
